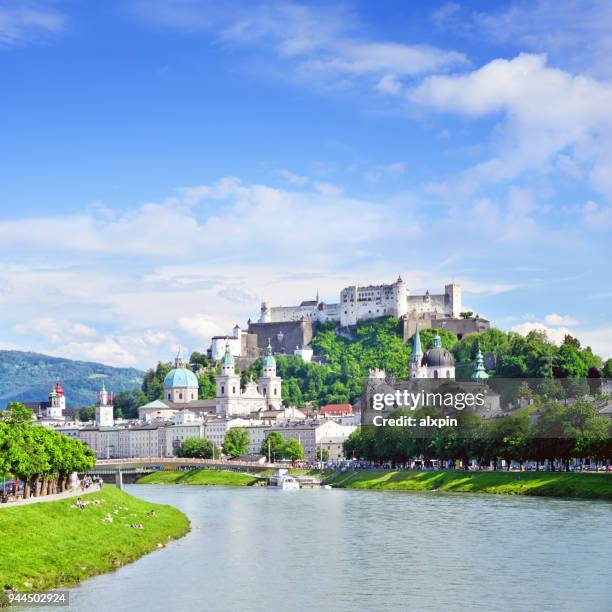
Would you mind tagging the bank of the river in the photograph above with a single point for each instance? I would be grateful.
(554, 484)
(53, 544)
(200, 477)
(216, 477)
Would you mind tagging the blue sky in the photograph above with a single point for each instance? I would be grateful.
(166, 165)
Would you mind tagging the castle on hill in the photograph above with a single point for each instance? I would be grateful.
(360, 303)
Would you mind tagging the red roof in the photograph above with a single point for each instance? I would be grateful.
(58, 388)
(337, 409)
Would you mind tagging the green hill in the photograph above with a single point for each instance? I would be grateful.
(28, 377)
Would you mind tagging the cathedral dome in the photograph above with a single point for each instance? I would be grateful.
(180, 378)
(438, 356)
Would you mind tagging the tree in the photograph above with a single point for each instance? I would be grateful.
(466, 314)
(322, 454)
(17, 414)
(606, 371)
(87, 414)
(293, 450)
(197, 448)
(236, 442)
(273, 446)
(126, 403)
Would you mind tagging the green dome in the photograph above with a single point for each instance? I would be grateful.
(228, 358)
(180, 378)
(269, 361)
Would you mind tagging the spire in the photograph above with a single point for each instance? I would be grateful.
(479, 373)
(227, 359)
(416, 343)
(317, 296)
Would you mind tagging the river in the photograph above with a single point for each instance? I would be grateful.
(257, 549)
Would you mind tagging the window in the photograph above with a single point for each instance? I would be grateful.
(447, 373)
(180, 396)
(436, 374)
(222, 389)
(233, 389)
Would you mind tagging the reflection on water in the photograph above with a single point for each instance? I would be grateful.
(261, 549)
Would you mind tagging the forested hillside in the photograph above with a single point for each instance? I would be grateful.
(347, 358)
(28, 377)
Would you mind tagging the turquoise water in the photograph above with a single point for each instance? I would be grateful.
(261, 549)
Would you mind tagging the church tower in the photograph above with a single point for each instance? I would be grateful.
(480, 373)
(57, 402)
(416, 368)
(228, 386)
(270, 383)
(104, 409)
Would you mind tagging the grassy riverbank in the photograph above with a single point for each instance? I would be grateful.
(45, 545)
(200, 477)
(555, 484)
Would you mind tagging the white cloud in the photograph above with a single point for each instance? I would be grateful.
(596, 217)
(202, 326)
(554, 334)
(557, 320)
(321, 43)
(375, 174)
(55, 330)
(389, 84)
(327, 189)
(546, 112)
(24, 22)
(294, 179)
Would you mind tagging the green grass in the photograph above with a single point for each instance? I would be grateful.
(555, 484)
(200, 477)
(46, 545)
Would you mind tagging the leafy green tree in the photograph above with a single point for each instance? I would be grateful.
(236, 442)
(87, 414)
(273, 445)
(197, 448)
(206, 385)
(606, 371)
(322, 454)
(126, 403)
(293, 450)
(17, 414)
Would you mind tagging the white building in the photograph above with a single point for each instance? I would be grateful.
(219, 344)
(359, 303)
(104, 409)
(57, 403)
(265, 394)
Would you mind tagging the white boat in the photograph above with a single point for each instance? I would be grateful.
(283, 481)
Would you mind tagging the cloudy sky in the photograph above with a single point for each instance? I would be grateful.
(167, 164)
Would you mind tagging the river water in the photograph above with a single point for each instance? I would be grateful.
(257, 549)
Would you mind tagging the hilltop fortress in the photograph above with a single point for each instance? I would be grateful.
(290, 329)
(369, 302)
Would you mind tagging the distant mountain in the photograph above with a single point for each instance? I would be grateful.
(28, 377)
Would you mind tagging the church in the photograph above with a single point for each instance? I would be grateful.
(437, 362)
(180, 392)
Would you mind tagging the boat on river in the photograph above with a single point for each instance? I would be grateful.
(282, 480)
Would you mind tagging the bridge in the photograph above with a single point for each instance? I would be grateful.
(118, 470)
